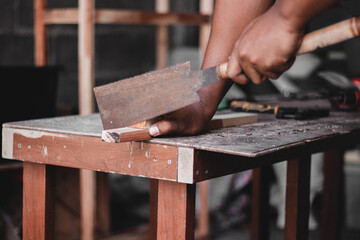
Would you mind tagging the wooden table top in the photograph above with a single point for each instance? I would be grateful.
(75, 141)
(250, 140)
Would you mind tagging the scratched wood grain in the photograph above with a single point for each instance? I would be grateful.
(269, 135)
(38, 197)
(175, 211)
(297, 198)
(139, 159)
(252, 140)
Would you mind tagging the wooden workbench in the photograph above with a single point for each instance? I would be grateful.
(175, 164)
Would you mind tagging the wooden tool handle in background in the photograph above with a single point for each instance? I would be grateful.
(321, 38)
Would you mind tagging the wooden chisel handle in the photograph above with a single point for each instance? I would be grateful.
(330, 35)
(321, 38)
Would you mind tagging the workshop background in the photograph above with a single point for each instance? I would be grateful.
(121, 52)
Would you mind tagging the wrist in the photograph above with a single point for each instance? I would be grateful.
(211, 96)
(290, 14)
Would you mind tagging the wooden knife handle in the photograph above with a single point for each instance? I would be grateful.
(221, 70)
(330, 35)
(321, 38)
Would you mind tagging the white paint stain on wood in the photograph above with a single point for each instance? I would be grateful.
(185, 165)
(148, 151)
(7, 143)
(131, 157)
(44, 151)
(8, 138)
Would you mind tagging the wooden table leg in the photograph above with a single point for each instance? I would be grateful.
(297, 198)
(260, 204)
(175, 211)
(38, 202)
(330, 226)
(103, 203)
(154, 183)
(87, 203)
(202, 231)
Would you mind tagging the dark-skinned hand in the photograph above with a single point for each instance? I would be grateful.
(266, 48)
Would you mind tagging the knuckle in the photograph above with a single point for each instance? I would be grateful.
(244, 56)
(231, 73)
(267, 65)
(256, 61)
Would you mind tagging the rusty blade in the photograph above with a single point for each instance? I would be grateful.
(143, 97)
(149, 95)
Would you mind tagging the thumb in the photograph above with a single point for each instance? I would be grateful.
(163, 127)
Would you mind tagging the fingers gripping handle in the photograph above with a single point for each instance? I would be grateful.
(324, 37)
(330, 35)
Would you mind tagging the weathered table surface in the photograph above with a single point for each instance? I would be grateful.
(177, 163)
(251, 140)
(183, 159)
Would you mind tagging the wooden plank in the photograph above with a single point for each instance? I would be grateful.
(126, 134)
(231, 120)
(40, 33)
(162, 6)
(135, 134)
(133, 158)
(86, 56)
(111, 16)
(162, 45)
(333, 190)
(86, 51)
(176, 211)
(206, 163)
(162, 36)
(38, 200)
(297, 198)
(260, 204)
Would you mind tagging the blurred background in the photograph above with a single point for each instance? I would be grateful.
(123, 51)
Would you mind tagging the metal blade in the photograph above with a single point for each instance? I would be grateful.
(149, 95)
(206, 77)
(146, 96)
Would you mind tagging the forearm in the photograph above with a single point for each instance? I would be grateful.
(299, 12)
(229, 20)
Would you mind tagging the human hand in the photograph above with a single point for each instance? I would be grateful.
(189, 120)
(193, 118)
(266, 48)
